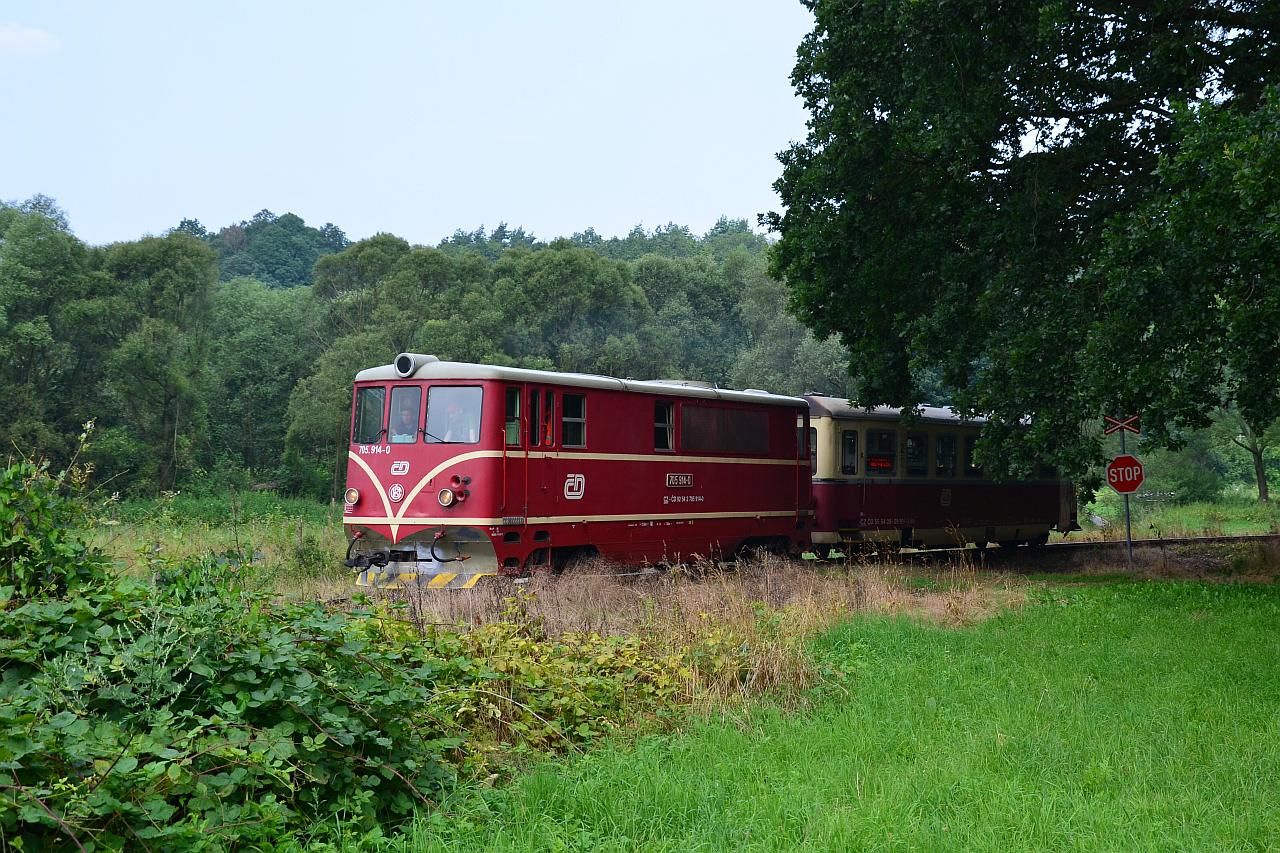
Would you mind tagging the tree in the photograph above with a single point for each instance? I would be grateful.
(155, 378)
(1233, 426)
(260, 351)
(965, 168)
(1205, 254)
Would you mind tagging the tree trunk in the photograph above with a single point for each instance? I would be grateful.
(1260, 471)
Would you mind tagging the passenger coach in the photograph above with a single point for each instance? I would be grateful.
(877, 478)
(456, 471)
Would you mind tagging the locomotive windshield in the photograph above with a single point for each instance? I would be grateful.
(406, 414)
(453, 414)
(367, 428)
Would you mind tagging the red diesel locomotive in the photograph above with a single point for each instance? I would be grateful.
(457, 471)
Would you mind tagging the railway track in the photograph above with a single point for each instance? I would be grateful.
(1053, 551)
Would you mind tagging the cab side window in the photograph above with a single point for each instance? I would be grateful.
(664, 425)
(511, 425)
(542, 418)
(573, 430)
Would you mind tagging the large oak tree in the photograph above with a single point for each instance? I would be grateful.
(963, 199)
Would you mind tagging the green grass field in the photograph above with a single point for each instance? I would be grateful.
(1100, 716)
(1228, 516)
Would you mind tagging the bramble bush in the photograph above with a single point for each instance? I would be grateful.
(192, 711)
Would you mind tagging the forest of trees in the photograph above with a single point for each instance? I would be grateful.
(207, 358)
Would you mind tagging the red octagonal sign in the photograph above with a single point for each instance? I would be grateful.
(1124, 473)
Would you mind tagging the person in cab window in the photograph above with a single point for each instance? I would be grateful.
(458, 425)
(404, 427)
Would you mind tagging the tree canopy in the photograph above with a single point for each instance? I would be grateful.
(989, 194)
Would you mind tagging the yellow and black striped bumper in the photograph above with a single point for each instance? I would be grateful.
(418, 580)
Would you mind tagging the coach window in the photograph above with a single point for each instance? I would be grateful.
(849, 451)
(945, 456)
(971, 466)
(664, 425)
(453, 414)
(511, 426)
(917, 454)
(813, 451)
(573, 432)
(368, 423)
(406, 414)
(882, 452)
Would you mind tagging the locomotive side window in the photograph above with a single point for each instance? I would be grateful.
(535, 418)
(368, 424)
(882, 452)
(542, 412)
(664, 425)
(573, 431)
(511, 425)
(917, 454)
(945, 458)
(716, 430)
(406, 414)
(548, 418)
(971, 467)
(849, 451)
(453, 414)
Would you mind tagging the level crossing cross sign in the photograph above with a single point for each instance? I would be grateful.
(1125, 474)
(1118, 424)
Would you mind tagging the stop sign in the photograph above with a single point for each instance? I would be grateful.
(1124, 473)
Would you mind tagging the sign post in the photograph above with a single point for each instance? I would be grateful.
(1125, 473)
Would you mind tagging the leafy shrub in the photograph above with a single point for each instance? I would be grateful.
(197, 713)
(39, 555)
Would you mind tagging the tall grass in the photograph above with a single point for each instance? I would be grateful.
(1116, 717)
(1228, 516)
(295, 545)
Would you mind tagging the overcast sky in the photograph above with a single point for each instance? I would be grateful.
(411, 117)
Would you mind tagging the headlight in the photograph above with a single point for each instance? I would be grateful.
(351, 496)
(446, 497)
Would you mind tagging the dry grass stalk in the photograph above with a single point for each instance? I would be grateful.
(742, 628)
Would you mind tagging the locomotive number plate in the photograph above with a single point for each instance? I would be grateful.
(679, 481)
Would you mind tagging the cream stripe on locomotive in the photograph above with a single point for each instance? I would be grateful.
(453, 521)
(400, 518)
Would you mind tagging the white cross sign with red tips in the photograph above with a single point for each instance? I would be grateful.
(1129, 424)
(1125, 474)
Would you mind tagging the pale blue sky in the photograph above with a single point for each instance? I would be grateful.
(412, 118)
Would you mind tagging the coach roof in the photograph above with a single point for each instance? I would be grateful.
(429, 368)
(841, 409)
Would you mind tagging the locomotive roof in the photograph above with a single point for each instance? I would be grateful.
(435, 369)
(841, 409)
